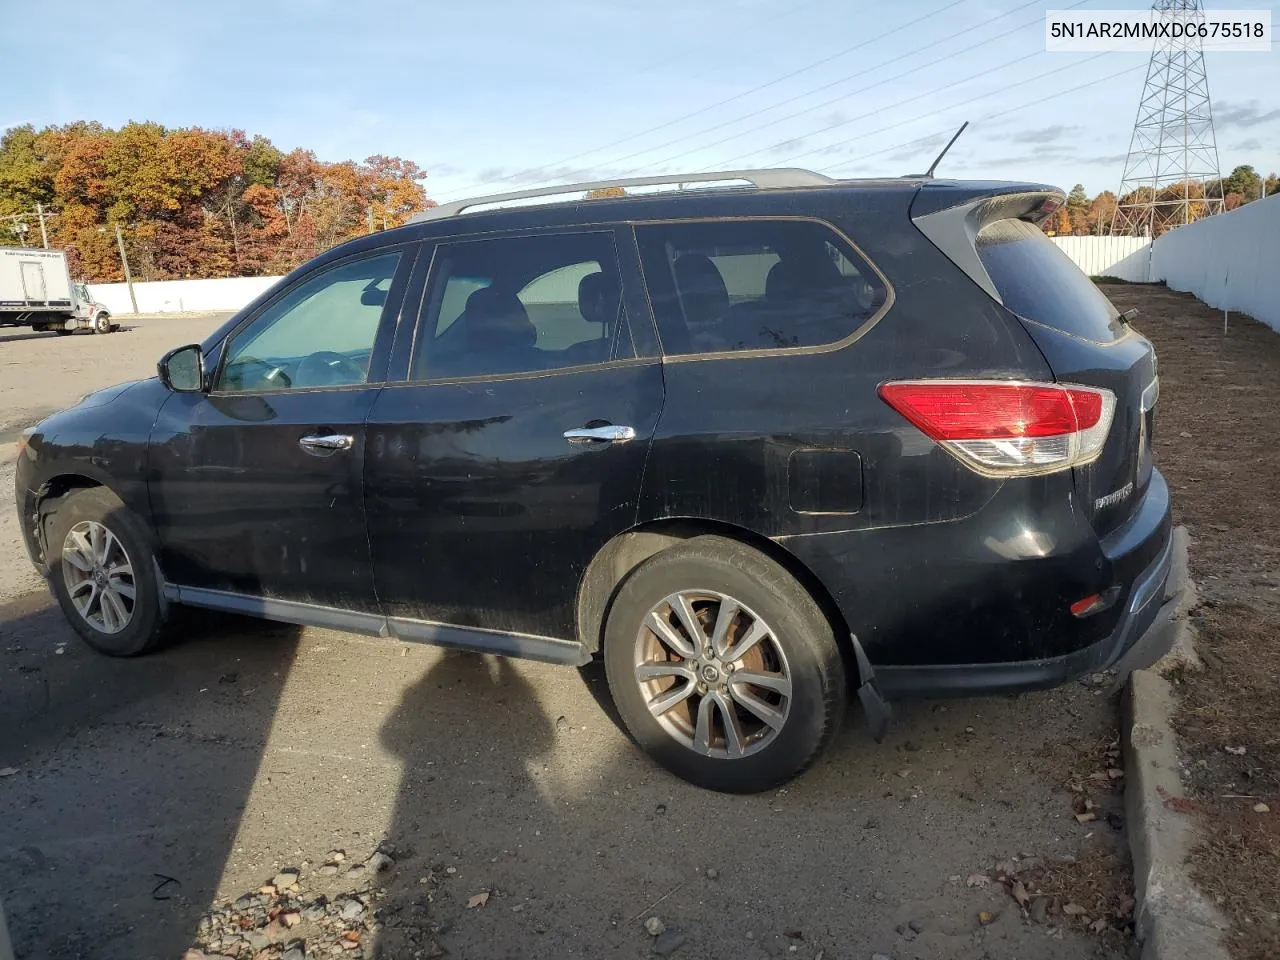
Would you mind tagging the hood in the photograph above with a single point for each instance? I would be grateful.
(100, 398)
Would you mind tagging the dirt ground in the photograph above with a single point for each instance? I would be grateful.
(136, 794)
(1218, 443)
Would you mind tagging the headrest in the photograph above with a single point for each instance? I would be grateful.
(701, 288)
(598, 298)
(496, 317)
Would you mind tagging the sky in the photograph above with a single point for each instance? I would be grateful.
(490, 95)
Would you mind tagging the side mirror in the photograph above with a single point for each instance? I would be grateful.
(182, 370)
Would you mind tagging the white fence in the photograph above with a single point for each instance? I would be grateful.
(178, 296)
(1123, 257)
(1230, 261)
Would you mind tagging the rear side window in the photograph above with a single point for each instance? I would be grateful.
(733, 285)
(1038, 281)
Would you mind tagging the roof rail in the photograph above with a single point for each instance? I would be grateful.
(775, 179)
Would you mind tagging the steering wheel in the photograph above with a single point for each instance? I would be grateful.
(271, 374)
(327, 369)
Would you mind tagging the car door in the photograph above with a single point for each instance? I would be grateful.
(257, 485)
(514, 448)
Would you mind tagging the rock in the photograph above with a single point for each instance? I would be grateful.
(667, 944)
(881, 956)
(916, 925)
(714, 874)
(1040, 910)
(313, 912)
(654, 927)
(660, 809)
(871, 824)
(878, 897)
(296, 951)
(336, 856)
(350, 909)
(356, 870)
(291, 918)
(257, 939)
(285, 878)
(1261, 808)
(451, 870)
(378, 861)
(986, 917)
(329, 870)
(193, 954)
(905, 932)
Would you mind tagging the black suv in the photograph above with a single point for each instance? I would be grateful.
(756, 445)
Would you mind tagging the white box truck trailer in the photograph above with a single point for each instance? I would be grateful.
(36, 291)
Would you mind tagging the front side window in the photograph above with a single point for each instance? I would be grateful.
(734, 285)
(520, 305)
(319, 334)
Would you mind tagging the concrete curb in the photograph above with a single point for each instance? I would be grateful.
(1173, 919)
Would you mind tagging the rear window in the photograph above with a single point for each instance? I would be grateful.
(1038, 281)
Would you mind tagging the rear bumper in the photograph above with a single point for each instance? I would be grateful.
(1143, 629)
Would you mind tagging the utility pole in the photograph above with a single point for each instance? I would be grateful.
(371, 218)
(44, 234)
(128, 278)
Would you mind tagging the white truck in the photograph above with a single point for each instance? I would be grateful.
(36, 291)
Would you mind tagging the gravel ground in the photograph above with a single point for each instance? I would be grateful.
(1216, 438)
(150, 805)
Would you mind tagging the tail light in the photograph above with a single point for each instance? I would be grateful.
(1006, 428)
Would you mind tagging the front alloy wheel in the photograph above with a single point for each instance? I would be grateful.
(98, 575)
(713, 674)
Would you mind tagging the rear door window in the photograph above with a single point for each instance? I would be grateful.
(727, 286)
(1039, 282)
(509, 305)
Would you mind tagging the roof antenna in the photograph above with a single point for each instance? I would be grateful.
(928, 174)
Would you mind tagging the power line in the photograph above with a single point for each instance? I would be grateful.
(737, 96)
(982, 96)
(842, 80)
(990, 116)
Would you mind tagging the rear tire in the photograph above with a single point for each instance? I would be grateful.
(103, 574)
(752, 700)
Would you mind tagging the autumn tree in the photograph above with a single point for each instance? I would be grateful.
(194, 202)
(604, 193)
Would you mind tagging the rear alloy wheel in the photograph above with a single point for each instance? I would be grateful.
(103, 573)
(723, 667)
(713, 674)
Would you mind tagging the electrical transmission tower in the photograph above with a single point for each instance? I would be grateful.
(1171, 174)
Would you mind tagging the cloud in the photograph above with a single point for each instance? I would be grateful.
(1108, 159)
(1253, 143)
(1043, 134)
(1242, 115)
(786, 146)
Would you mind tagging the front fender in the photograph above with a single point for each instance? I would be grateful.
(103, 441)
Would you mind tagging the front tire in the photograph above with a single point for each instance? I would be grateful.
(103, 574)
(722, 666)
(102, 323)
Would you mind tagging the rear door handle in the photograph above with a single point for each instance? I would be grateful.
(323, 444)
(610, 433)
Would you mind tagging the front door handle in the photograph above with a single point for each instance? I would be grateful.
(609, 433)
(323, 444)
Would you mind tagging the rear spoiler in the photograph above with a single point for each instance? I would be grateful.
(951, 214)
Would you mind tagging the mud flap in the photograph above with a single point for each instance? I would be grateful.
(874, 705)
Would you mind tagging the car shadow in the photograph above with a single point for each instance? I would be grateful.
(128, 777)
